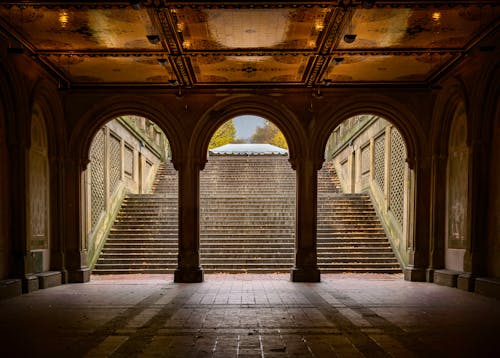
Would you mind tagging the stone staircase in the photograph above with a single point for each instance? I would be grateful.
(247, 213)
(247, 223)
(143, 238)
(349, 233)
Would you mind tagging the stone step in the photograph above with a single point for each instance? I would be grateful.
(128, 271)
(246, 225)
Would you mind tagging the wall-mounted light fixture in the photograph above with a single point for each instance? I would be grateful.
(367, 4)
(136, 4)
(153, 39)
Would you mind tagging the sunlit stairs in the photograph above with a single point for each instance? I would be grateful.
(143, 238)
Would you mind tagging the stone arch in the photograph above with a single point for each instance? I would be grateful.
(46, 99)
(265, 107)
(81, 142)
(90, 122)
(39, 193)
(396, 196)
(386, 108)
(46, 104)
(443, 116)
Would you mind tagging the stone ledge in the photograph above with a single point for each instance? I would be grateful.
(305, 275)
(49, 279)
(488, 286)
(466, 282)
(30, 283)
(446, 277)
(10, 288)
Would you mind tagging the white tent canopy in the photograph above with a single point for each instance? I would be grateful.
(248, 149)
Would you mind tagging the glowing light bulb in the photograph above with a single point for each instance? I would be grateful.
(436, 16)
(63, 18)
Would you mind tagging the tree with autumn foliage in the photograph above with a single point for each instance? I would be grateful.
(269, 134)
(224, 135)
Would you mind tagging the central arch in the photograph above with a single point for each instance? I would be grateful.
(264, 107)
(260, 106)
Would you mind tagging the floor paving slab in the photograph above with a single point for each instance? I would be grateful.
(349, 315)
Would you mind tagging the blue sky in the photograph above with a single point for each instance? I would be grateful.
(245, 125)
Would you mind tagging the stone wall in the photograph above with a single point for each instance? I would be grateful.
(124, 156)
(493, 244)
(369, 155)
(38, 193)
(4, 237)
(457, 192)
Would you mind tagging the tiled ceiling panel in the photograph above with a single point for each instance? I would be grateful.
(247, 69)
(417, 28)
(206, 43)
(379, 68)
(225, 29)
(113, 69)
(82, 29)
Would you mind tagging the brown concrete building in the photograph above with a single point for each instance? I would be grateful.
(430, 68)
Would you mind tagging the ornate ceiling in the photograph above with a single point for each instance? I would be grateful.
(243, 43)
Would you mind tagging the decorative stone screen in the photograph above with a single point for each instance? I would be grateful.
(115, 162)
(365, 159)
(97, 175)
(128, 165)
(397, 171)
(379, 161)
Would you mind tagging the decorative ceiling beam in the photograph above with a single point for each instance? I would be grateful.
(242, 4)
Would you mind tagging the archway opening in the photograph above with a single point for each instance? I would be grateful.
(363, 198)
(247, 200)
(130, 196)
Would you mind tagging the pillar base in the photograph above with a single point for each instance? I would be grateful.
(30, 283)
(429, 274)
(466, 282)
(415, 274)
(191, 275)
(10, 288)
(79, 276)
(305, 275)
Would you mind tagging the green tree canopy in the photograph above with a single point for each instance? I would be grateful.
(269, 134)
(224, 135)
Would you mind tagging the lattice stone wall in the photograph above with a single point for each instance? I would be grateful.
(365, 159)
(97, 175)
(379, 161)
(115, 163)
(396, 175)
(128, 165)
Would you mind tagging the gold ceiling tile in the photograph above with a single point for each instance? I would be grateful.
(382, 68)
(417, 28)
(242, 69)
(113, 69)
(81, 29)
(223, 29)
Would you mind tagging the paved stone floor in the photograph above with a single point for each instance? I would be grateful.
(250, 316)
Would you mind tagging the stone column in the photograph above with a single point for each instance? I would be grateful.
(475, 257)
(306, 268)
(437, 215)
(22, 263)
(188, 264)
(57, 223)
(74, 237)
(419, 222)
